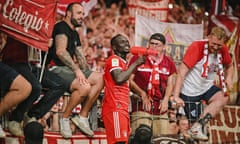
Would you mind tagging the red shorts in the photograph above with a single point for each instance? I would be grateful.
(117, 127)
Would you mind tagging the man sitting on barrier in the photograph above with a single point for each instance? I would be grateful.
(202, 61)
(71, 65)
(153, 81)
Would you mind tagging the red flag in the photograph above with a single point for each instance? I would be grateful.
(227, 22)
(87, 4)
(220, 17)
(62, 5)
(218, 7)
(30, 21)
(156, 9)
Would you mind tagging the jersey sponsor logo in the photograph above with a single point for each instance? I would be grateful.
(115, 62)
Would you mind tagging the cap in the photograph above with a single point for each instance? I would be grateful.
(33, 133)
(158, 36)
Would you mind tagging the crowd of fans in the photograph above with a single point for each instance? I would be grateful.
(106, 20)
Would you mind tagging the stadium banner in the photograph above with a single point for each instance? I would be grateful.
(224, 128)
(56, 138)
(178, 36)
(156, 9)
(30, 21)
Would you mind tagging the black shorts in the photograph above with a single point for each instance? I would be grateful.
(193, 104)
(7, 76)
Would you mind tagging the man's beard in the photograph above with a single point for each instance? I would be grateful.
(75, 23)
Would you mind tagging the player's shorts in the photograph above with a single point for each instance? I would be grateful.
(7, 76)
(117, 127)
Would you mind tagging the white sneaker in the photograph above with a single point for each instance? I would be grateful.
(65, 129)
(83, 125)
(14, 128)
(2, 133)
(197, 132)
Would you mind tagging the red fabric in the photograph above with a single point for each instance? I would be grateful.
(218, 6)
(56, 138)
(62, 5)
(228, 23)
(194, 53)
(115, 103)
(14, 52)
(29, 21)
(142, 77)
(156, 9)
(116, 96)
(117, 127)
(155, 81)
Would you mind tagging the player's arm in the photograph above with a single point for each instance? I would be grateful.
(120, 76)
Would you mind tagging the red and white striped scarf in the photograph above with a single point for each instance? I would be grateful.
(154, 79)
(220, 68)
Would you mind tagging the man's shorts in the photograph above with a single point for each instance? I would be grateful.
(67, 74)
(193, 104)
(7, 76)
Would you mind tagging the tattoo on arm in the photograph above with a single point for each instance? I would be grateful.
(81, 58)
(61, 48)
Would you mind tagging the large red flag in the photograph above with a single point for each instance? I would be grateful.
(30, 21)
(220, 17)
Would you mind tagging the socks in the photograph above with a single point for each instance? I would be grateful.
(205, 119)
(85, 119)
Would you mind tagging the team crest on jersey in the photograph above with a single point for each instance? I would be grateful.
(115, 62)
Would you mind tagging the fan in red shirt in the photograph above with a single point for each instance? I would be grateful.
(153, 82)
(115, 112)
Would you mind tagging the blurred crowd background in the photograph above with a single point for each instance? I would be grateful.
(109, 17)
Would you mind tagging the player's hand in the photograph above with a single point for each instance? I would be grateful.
(141, 60)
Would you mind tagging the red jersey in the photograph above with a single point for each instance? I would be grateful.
(116, 96)
(142, 77)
